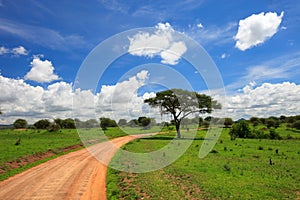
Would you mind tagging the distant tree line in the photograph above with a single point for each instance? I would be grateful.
(56, 125)
(267, 127)
(143, 122)
(240, 128)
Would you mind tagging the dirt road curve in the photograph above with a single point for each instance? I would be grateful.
(76, 175)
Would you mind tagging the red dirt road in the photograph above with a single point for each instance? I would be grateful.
(77, 175)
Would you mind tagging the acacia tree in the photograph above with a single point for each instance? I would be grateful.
(181, 103)
(20, 123)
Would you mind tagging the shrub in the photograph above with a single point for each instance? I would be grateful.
(53, 127)
(274, 135)
(296, 125)
(20, 123)
(240, 129)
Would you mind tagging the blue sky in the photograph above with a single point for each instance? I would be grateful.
(254, 44)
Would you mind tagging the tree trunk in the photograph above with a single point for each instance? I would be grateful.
(178, 129)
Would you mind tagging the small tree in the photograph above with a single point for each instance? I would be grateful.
(20, 123)
(106, 122)
(181, 103)
(145, 122)
(42, 124)
(228, 122)
(59, 122)
(54, 127)
(240, 129)
(68, 123)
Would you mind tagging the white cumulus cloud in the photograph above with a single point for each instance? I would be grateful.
(41, 71)
(265, 100)
(59, 100)
(17, 51)
(256, 29)
(122, 100)
(161, 43)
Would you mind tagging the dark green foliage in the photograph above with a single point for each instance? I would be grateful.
(240, 130)
(228, 122)
(296, 125)
(106, 122)
(20, 123)
(271, 122)
(68, 123)
(54, 127)
(42, 124)
(274, 135)
(145, 122)
(255, 121)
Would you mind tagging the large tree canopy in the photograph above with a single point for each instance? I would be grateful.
(20, 123)
(181, 103)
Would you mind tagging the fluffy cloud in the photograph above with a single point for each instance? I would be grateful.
(21, 100)
(122, 100)
(256, 29)
(265, 100)
(41, 71)
(161, 43)
(17, 51)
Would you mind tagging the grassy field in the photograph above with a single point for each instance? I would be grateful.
(33, 143)
(238, 169)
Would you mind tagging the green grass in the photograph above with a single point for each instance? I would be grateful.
(33, 142)
(238, 169)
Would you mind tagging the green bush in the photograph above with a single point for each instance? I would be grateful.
(274, 135)
(296, 125)
(240, 130)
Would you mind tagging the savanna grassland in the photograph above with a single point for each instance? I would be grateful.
(234, 169)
